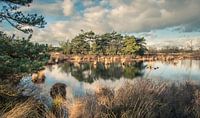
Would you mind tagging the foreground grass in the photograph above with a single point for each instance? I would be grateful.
(141, 99)
(137, 99)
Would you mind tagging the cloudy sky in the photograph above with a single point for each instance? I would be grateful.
(159, 21)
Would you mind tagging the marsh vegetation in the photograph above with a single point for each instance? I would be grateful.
(107, 75)
(139, 98)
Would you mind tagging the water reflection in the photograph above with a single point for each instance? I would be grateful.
(87, 77)
(179, 70)
(89, 72)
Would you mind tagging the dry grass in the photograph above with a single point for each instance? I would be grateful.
(28, 109)
(77, 109)
(50, 114)
(58, 101)
(142, 99)
(59, 110)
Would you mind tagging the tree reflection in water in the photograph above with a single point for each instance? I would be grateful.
(89, 72)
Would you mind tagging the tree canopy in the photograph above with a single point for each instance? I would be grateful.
(80, 45)
(10, 13)
(105, 44)
(18, 55)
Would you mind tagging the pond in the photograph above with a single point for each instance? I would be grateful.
(87, 77)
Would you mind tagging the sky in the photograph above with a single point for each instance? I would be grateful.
(161, 22)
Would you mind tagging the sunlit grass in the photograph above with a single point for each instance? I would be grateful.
(142, 99)
(58, 101)
(27, 109)
(138, 99)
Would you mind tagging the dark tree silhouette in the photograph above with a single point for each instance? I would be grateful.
(20, 56)
(17, 19)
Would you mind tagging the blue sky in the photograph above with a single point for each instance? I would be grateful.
(159, 21)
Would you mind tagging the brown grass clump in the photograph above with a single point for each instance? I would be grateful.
(58, 101)
(83, 107)
(129, 101)
(196, 107)
(77, 109)
(141, 99)
(58, 109)
(49, 114)
(28, 109)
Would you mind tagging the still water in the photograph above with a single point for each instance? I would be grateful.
(86, 77)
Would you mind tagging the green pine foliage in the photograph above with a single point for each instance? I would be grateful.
(106, 44)
(20, 56)
(11, 14)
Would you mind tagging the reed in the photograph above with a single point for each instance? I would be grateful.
(141, 99)
(27, 109)
(138, 99)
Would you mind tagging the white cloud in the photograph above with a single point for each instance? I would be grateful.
(49, 9)
(62, 30)
(68, 7)
(138, 15)
(88, 3)
(129, 16)
(125, 16)
(182, 42)
(143, 15)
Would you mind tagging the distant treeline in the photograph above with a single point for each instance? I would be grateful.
(172, 49)
(105, 44)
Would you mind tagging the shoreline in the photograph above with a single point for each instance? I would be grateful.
(57, 57)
